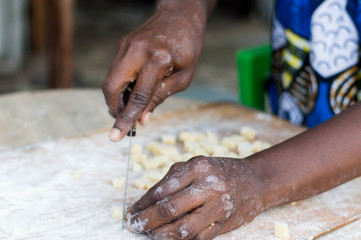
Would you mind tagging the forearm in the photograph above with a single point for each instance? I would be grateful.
(313, 162)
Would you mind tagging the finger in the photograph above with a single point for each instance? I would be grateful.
(139, 98)
(186, 227)
(175, 83)
(169, 209)
(124, 69)
(178, 178)
(210, 232)
(170, 85)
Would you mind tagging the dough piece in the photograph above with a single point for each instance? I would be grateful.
(76, 174)
(186, 156)
(244, 149)
(117, 212)
(258, 146)
(168, 139)
(186, 136)
(238, 138)
(154, 147)
(148, 180)
(156, 162)
(137, 167)
(229, 143)
(144, 183)
(212, 137)
(138, 157)
(190, 146)
(118, 182)
(199, 152)
(153, 176)
(217, 150)
(136, 149)
(231, 155)
(249, 133)
(281, 230)
(165, 169)
(171, 152)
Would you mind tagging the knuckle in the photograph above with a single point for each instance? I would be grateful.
(161, 56)
(157, 99)
(138, 99)
(139, 43)
(176, 166)
(106, 86)
(123, 42)
(184, 84)
(186, 231)
(166, 210)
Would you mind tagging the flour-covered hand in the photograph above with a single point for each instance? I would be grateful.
(161, 56)
(198, 199)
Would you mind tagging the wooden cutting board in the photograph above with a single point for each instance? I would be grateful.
(39, 198)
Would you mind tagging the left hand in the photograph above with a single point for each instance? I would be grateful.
(199, 199)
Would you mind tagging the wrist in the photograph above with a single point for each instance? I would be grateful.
(272, 190)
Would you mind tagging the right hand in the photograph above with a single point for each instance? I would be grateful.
(161, 55)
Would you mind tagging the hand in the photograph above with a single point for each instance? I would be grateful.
(161, 55)
(199, 199)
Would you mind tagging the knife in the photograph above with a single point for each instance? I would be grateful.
(130, 134)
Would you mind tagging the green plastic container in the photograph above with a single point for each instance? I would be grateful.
(253, 68)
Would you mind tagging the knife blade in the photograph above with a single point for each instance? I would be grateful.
(130, 134)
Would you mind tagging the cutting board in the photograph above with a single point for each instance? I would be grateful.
(39, 198)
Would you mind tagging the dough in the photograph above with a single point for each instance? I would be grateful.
(143, 184)
(156, 162)
(117, 212)
(281, 230)
(258, 146)
(153, 176)
(138, 157)
(154, 147)
(249, 133)
(212, 137)
(168, 139)
(244, 149)
(76, 174)
(191, 147)
(118, 182)
(171, 152)
(137, 167)
(191, 137)
(229, 143)
(136, 149)
(217, 150)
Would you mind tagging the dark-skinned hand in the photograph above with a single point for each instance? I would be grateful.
(161, 56)
(198, 199)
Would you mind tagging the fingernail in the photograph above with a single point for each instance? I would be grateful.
(128, 223)
(146, 118)
(114, 135)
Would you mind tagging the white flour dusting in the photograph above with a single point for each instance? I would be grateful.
(39, 199)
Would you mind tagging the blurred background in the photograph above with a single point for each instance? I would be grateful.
(47, 44)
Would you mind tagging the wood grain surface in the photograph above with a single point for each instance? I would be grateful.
(40, 199)
(28, 118)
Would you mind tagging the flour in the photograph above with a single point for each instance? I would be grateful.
(40, 200)
(212, 179)
(138, 225)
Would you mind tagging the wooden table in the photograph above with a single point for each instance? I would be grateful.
(27, 118)
(30, 118)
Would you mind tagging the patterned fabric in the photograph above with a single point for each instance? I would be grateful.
(316, 61)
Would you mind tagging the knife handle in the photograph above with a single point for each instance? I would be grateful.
(126, 95)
